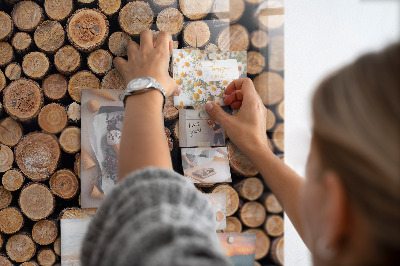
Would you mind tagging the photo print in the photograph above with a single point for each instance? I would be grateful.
(240, 248)
(218, 201)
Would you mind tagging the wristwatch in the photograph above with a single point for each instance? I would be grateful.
(141, 85)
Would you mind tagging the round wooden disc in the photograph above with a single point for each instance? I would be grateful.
(46, 257)
(27, 15)
(262, 243)
(233, 225)
(271, 119)
(118, 42)
(3, 81)
(270, 15)
(21, 41)
(163, 3)
(255, 62)
(7, 26)
(57, 246)
(259, 39)
(252, 214)
(52, 118)
(278, 137)
(67, 60)
(74, 112)
(196, 34)
(229, 10)
(5, 197)
(233, 38)
(58, 9)
(272, 204)
(11, 220)
(274, 225)
(195, 10)
(135, 17)
(269, 86)
(109, 7)
(10, 131)
(276, 54)
(35, 65)
(37, 155)
(29, 263)
(12, 180)
(6, 158)
(70, 139)
(232, 198)
(49, 36)
(4, 261)
(250, 188)
(36, 201)
(44, 232)
(239, 163)
(170, 112)
(113, 80)
(82, 80)
(55, 87)
(13, 71)
(277, 250)
(87, 29)
(170, 20)
(281, 109)
(6, 53)
(100, 61)
(20, 247)
(64, 184)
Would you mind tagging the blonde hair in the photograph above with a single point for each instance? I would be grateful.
(356, 130)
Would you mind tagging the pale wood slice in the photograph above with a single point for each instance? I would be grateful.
(233, 225)
(252, 214)
(55, 87)
(255, 62)
(93, 106)
(118, 42)
(233, 38)
(70, 139)
(4, 261)
(67, 60)
(196, 34)
(250, 188)
(170, 111)
(74, 112)
(82, 80)
(269, 15)
(175, 131)
(87, 161)
(10, 131)
(271, 203)
(271, 119)
(195, 10)
(277, 250)
(281, 109)
(6, 54)
(7, 26)
(77, 165)
(64, 184)
(11, 220)
(229, 10)
(20, 247)
(109, 7)
(113, 80)
(87, 29)
(269, 86)
(13, 180)
(13, 71)
(53, 118)
(49, 36)
(36, 201)
(278, 137)
(164, 3)
(35, 65)
(3, 81)
(276, 53)
(103, 93)
(135, 17)
(170, 20)
(46, 257)
(100, 61)
(274, 225)
(57, 246)
(44, 232)
(37, 155)
(21, 42)
(262, 243)
(27, 15)
(259, 39)
(5, 197)
(58, 9)
(239, 163)
(232, 198)
(6, 158)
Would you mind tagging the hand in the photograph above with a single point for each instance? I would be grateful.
(192, 164)
(247, 129)
(150, 59)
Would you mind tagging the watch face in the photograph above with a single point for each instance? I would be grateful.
(140, 83)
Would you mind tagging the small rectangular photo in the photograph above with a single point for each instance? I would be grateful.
(72, 234)
(206, 165)
(218, 201)
(240, 248)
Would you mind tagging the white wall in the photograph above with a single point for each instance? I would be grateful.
(320, 36)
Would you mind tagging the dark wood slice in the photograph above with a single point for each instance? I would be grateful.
(252, 214)
(64, 184)
(20, 247)
(239, 162)
(5, 197)
(82, 80)
(100, 61)
(12, 180)
(55, 87)
(274, 225)
(196, 34)
(277, 250)
(7, 158)
(195, 10)
(10, 131)
(278, 137)
(21, 42)
(46, 257)
(259, 39)
(271, 203)
(27, 15)
(6, 54)
(232, 197)
(70, 140)
(170, 111)
(281, 110)
(7, 26)
(269, 86)
(77, 165)
(271, 119)
(170, 20)
(109, 7)
(13, 71)
(53, 118)
(250, 188)
(44, 232)
(233, 225)
(57, 246)
(3, 81)
(36, 201)
(118, 42)
(11, 220)
(276, 53)
(234, 38)
(58, 9)
(255, 62)
(67, 60)
(35, 65)
(74, 112)
(269, 15)
(164, 3)
(135, 17)
(262, 243)
(229, 10)
(49, 36)
(37, 155)
(113, 80)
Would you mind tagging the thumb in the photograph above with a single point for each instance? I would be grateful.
(218, 113)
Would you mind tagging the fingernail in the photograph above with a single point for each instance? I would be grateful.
(209, 106)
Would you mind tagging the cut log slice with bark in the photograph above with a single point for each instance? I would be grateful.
(6, 53)
(170, 111)
(109, 7)
(164, 3)
(49, 36)
(87, 161)
(20, 247)
(276, 53)
(6, 158)
(46, 257)
(255, 62)
(58, 9)
(87, 29)
(195, 10)
(233, 225)
(118, 42)
(281, 109)
(13, 71)
(5, 197)
(35, 65)
(135, 16)
(262, 243)
(113, 80)
(13, 180)
(4, 261)
(170, 20)
(55, 87)
(259, 39)
(64, 184)
(271, 119)
(21, 42)
(30, 263)
(229, 10)
(271, 203)
(233, 38)
(10, 131)
(277, 250)
(7, 26)
(239, 162)
(252, 214)
(70, 139)
(269, 86)
(77, 165)
(82, 80)
(36, 201)
(37, 155)
(196, 34)
(269, 15)
(100, 61)
(250, 188)
(278, 137)
(67, 60)
(44, 232)
(57, 246)
(27, 15)
(232, 198)
(274, 225)
(3, 81)
(53, 118)
(11, 220)
(74, 112)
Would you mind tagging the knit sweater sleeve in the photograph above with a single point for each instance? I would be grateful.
(154, 217)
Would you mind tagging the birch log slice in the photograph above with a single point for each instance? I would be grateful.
(276, 53)
(270, 15)
(11, 220)
(74, 112)
(269, 86)
(67, 60)
(46, 257)
(239, 162)
(252, 214)
(10, 131)
(233, 225)
(278, 137)
(27, 15)
(36, 201)
(250, 188)
(70, 139)
(229, 10)
(259, 39)
(100, 61)
(35, 65)
(274, 225)
(82, 80)
(44, 232)
(135, 17)
(255, 62)
(7, 26)
(195, 10)
(232, 198)
(64, 184)
(55, 87)
(170, 20)
(233, 38)
(13, 180)
(3, 81)
(49, 36)
(21, 42)
(58, 9)
(196, 34)
(277, 250)
(37, 155)
(113, 80)
(5, 197)
(20, 247)
(109, 7)
(281, 109)
(52, 118)
(6, 158)
(6, 54)
(262, 243)
(13, 71)
(87, 29)
(271, 119)
(118, 42)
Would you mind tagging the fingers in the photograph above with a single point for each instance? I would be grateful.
(120, 64)
(234, 98)
(146, 40)
(163, 42)
(132, 48)
(218, 113)
(245, 85)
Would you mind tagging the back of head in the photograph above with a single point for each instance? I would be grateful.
(356, 115)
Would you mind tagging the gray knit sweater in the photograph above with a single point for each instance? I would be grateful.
(154, 217)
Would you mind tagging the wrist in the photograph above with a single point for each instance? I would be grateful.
(148, 99)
